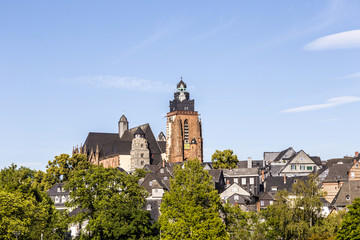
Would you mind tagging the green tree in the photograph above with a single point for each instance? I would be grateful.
(112, 203)
(240, 224)
(190, 210)
(295, 218)
(329, 227)
(224, 159)
(24, 208)
(350, 227)
(61, 168)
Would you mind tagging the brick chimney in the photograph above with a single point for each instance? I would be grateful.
(262, 176)
(356, 153)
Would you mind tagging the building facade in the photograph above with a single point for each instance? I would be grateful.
(183, 130)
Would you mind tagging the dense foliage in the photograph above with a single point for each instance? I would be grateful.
(111, 202)
(224, 159)
(190, 210)
(25, 210)
(350, 227)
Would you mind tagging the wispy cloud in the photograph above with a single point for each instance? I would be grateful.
(331, 102)
(354, 75)
(343, 40)
(130, 83)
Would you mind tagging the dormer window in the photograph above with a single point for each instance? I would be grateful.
(58, 189)
(148, 207)
(162, 170)
(274, 188)
(347, 197)
(150, 183)
(57, 199)
(301, 158)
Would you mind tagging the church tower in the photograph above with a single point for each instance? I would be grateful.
(139, 154)
(184, 137)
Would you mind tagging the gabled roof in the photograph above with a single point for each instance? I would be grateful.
(110, 144)
(347, 193)
(216, 174)
(53, 191)
(139, 131)
(267, 196)
(338, 172)
(317, 159)
(280, 184)
(241, 191)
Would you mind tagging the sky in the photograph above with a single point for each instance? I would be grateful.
(265, 75)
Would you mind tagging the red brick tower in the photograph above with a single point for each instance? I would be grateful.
(184, 136)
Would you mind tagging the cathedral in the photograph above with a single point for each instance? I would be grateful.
(132, 148)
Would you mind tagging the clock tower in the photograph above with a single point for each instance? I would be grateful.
(184, 137)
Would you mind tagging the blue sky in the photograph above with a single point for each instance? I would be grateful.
(265, 75)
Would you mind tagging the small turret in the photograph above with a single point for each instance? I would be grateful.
(123, 125)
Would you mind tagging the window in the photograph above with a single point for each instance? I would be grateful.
(162, 170)
(165, 178)
(347, 197)
(142, 145)
(186, 131)
(301, 158)
(357, 165)
(148, 207)
(150, 183)
(293, 167)
(142, 155)
(271, 202)
(236, 197)
(59, 189)
(352, 174)
(236, 180)
(252, 180)
(63, 199)
(57, 199)
(309, 168)
(302, 167)
(262, 203)
(243, 181)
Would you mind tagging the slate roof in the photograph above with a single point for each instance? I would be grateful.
(110, 144)
(279, 182)
(333, 161)
(266, 196)
(255, 163)
(347, 193)
(338, 172)
(240, 172)
(216, 174)
(53, 190)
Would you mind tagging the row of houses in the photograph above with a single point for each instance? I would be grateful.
(254, 183)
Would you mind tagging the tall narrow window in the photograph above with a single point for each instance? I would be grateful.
(186, 131)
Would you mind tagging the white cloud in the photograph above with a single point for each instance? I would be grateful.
(130, 83)
(343, 40)
(354, 75)
(331, 102)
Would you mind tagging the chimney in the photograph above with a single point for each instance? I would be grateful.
(284, 178)
(163, 164)
(356, 153)
(262, 176)
(249, 162)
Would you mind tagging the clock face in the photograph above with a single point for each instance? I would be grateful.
(182, 96)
